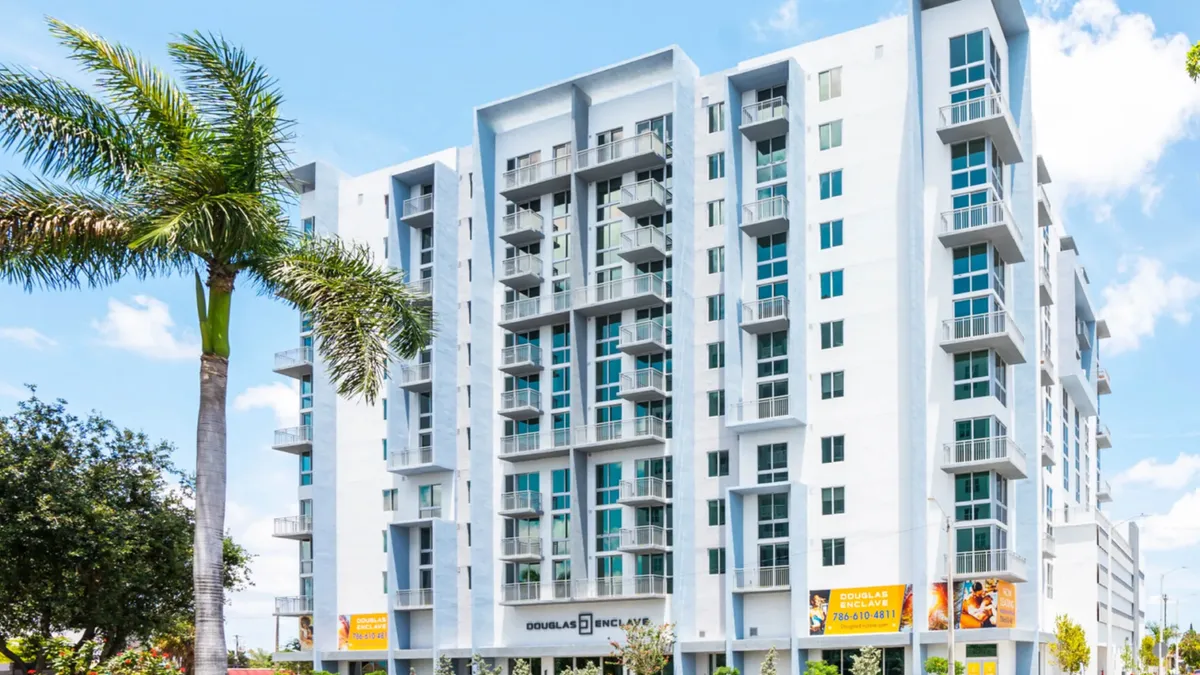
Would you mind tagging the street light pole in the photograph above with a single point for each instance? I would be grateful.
(1162, 628)
(949, 587)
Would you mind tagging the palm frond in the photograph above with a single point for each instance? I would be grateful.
(57, 237)
(138, 89)
(364, 315)
(63, 131)
(240, 102)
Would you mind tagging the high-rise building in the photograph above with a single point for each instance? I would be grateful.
(765, 353)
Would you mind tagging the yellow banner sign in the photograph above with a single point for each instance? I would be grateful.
(362, 632)
(850, 611)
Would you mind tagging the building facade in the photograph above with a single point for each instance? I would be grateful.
(764, 353)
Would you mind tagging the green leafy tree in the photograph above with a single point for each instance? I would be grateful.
(1070, 649)
(936, 665)
(152, 177)
(260, 658)
(821, 668)
(1146, 652)
(97, 537)
(868, 662)
(1193, 62)
(647, 647)
(768, 664)
(729, 670)
(444, 666)
(588, 668)
(480, 666)
(1189, 649)
(1129, 662)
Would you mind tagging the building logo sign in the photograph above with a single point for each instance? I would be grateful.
(586, 623)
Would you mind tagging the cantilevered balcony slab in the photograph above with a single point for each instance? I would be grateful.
(521, 549)
(646, 491)
(648, 336)
(1045, 216)
(614, 159)
(984, 223)
(644, 198)
(765, 119)
(638, 292)
(1103, 492)
(765, 316)
(765, 217)
(521, 404)
(645, 539)
(1103, 383)
(294, 440)
(644, 244)
(628, 433)
(527, 313)
(412, 461)
(534, 180)
(418, 211)
(1049, 456)
(1046, 370)
(767, 413)
(644, 384)
(521, 272)
(417, 377)
(522, 359)
(536, 445)
(1045, 287)
(1000, 454)
(1103, 438)
(985, 116)
(995, 330)
(997, 564)
(522, 228)
(521, 504)
(295, 363)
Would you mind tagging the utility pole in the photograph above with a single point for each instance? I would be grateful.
(950, 597)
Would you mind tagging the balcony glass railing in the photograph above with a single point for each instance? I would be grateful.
(644, 378)
(521, 500)
(521, 398)
(774, 108)
(521, 547)
(521, 221)
(645, 237)
(648, 487)
(533, 174)
(644, 143)
(521, 354)
(419, 204)
(764, 209)
(647, 330)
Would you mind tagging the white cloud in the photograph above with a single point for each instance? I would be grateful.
(279, 397)
(145, 327)
(1109, 94)
(1133, 307)
(273, 570)
(784, 22)
(12, 391)
(1154, 474)
(30, 338)
(1175, 529)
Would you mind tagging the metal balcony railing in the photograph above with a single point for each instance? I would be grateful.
(521, 500)
(521, 221)
(764, 408)
(521, 398)
(642, 284)
(644, 378)
(750, 578)
(416, 372)
(618, 430)
(998, 561)
(994, 212)
(764, 209)
(521, 265)
(293, 435)
(531, 307)
(983, 450)
(648, 487)
(399, 459)
(292, 526)
(979, 326)
(765, 309)
(762, 111)
(536, 173)
(647, 330)
(294, 605)
(644, 536)
(972, 110)
(643, 190)
(521, 354)
(418, 204)
(609, 587)
(645, 237)
(413, 598)
(643, 143)
(521, 546)
(429, 512)
(528, 591)
(292, 358)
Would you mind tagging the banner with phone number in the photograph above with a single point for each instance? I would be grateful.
(851, 611)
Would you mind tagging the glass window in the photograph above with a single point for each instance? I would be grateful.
(716, 260)
(833, 552)
(833, 501)
(831, 234)
(716, 403)
(718, 463)
(771, 256)
(716, 307)
(608, 481)
(833, 385)
(831, 134)
(716, 355)
(773, 515)
(716, 213)
(560, 480)
(771, 159)
(833, 449)
(716, 166)
(773, 463)
(831, 184)
(716, 117)
(772, 354)
(832, 334)
(716, 561)
(716, 512)
(831, 284)
(830, 83)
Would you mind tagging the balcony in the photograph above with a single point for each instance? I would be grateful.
(1103, 384)
(416, 377)
(521, 272)
(644, 244)
(999, 564)
(765, 119)
(995, 331)
(522, 359)
(645, 539)
(418, 211)
(1103, 439)
(1048, 549)
(632, 433)
(534, 180)
(423, 287)
(765, 217)
(412, 598)
(521, 549)
(412, 461)
(521, 504)
(295, 605)
(1045, 216)
(639, 292)
(294, 527)
(535, 445)
(295, 363)
(429, 512)
(991, 223)
(644, 384)
(522, 228)
(521, 404)
(614, 159)
(648, 491)
(987, 116)
(761, 579)
(528, 313)
(1049, 457)
(1103, 492)
(1083, 336)
(644, 198)
(618, 588)
(530, 593)
(295, 440)
(999, 454)
(1046, 367)
(648, 336)
(1045, 287)
(765, 413)
(765, 316)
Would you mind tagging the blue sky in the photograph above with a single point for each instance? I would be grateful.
(373, 84)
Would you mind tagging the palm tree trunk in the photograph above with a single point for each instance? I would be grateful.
(208, 564)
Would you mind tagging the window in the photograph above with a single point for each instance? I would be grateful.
(716, 403)
(833, 501)
(831, 134)
(430, 501)
(771, 260)
(830, 83)
(716, 260)
(716, 512)
(772, 354)
(716, 213)
(831, 184)
(980, 374)
(306, 475)
(773, 515)
(771, 159)
(716, 561)
(389, 499)
(772, 463)
(832, 334)
(831, 234)
(560, 480)
(716, 166)
(831, 284)
(833, 385)
(716, 355)
(309, 225)
(833, 552)
(716, 117)
(716, 307)
(833, 449)
(969, 63)
(608, 481)
(718, 463)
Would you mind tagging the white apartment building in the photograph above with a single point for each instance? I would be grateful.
(729, 351)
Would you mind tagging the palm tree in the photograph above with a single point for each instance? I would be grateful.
(152, 178)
